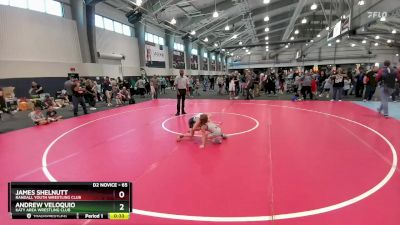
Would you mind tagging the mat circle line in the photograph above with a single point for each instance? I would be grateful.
(229, 113)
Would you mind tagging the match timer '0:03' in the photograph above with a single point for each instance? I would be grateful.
(70, 200)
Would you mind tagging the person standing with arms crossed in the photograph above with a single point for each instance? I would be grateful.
(182, 84)
(387, 76)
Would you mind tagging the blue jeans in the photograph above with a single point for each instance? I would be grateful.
(385, 93)
(337, 93)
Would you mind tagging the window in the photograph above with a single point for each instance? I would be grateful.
(54, 8)
(150, 36)
(4, 2)
(160, 41)
(178, 47)
(153, 38)
(194, 51)
(45, 6)
(126, 30)
(19, 3)
(108, 24)
(37, 5)
(118, 27)
(98, 21)
(205, 55)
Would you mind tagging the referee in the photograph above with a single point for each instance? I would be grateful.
(182, 84)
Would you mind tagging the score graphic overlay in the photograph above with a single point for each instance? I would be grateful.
(70, 200)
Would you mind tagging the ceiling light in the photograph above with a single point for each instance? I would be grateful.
(286, 46)
(304, 20)
(173, 21)
(240, 43)
(338, 41)
(234, 36)
(266, 18)
(248, 53)
(206, 39)
(361, 2)
(326, 28)
(343, 16)
(267, 46)
(244, 48)
(215, 14)
(364, 41)
(397, 54)
(318, 35)
(383, 18)
(247, 50)
(232, 54)
(292, 38)
(389, 41)
(216, 44)
(267, 43)
(267, 50)
(329, 44)
(266, 38)
(353, 45)
(314, 6)
(377, 37)
(266, 29)
(312, 41)
(266, 1)
(394, 31)
(376, 44)
(138, 2)
(296, 32)
(193, 32)
(306, 44)
(227, 27)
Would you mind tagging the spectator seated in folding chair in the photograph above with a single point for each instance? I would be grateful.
(4, 107)
(123, 96)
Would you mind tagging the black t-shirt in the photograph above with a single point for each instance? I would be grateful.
(76, 93)
(37, 88)
(107, 86)
(51, 114)
(338, 80)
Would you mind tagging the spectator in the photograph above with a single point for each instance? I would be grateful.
(77, 97)
(36, 89)
(163, 83)
(387, 77)
(306, 80)
(67, 86)
(370, 83)
(141, 87)
(107, 88)
(90, 93)
(359, 82)
(49, 102)
(338, 84)
(155, 83)
(38, 117)
(123, 96)
(52, 115)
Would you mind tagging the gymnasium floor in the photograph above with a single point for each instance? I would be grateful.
(286, 163)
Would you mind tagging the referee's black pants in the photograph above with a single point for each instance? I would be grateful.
(181, 96)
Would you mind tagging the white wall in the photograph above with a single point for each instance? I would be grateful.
(27, 35)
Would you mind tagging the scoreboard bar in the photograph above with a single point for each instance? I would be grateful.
(70, 200)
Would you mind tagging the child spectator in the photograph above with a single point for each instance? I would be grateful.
(123, 96)
(38, 117)
(52, 115)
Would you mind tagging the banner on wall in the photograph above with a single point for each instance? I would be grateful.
(155, 55)
(178, 60)
(194, 62)
(205, 64)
